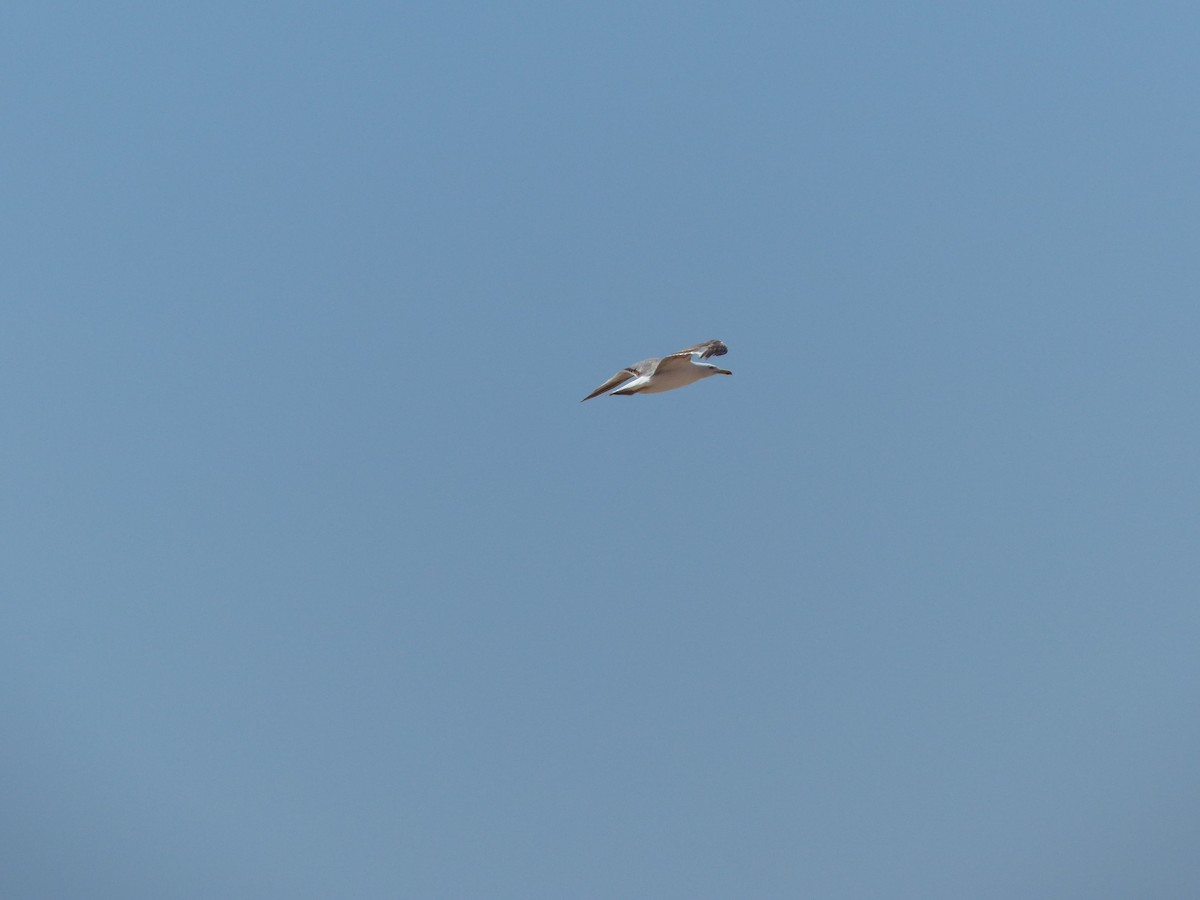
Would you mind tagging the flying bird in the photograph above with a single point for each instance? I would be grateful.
(653, 376)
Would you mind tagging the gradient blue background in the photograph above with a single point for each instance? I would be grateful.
(318, 581)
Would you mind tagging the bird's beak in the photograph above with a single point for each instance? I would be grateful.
(724, 372)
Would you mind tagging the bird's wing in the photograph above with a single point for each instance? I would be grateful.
(684, 357)
(633, 387)
(674, 361)
(620, 378)
(705, 350)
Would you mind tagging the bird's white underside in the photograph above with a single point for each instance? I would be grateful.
(676, 377)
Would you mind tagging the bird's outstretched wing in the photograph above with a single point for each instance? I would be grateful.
(684, 357)
(620, 378)
(705, 350)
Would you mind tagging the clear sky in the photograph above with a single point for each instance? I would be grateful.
(318, 580)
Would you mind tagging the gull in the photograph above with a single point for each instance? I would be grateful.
(652, 376)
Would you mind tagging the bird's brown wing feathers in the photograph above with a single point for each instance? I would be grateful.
(620, 378)
(705, 350)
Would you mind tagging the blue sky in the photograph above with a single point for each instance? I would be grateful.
(319, 581)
